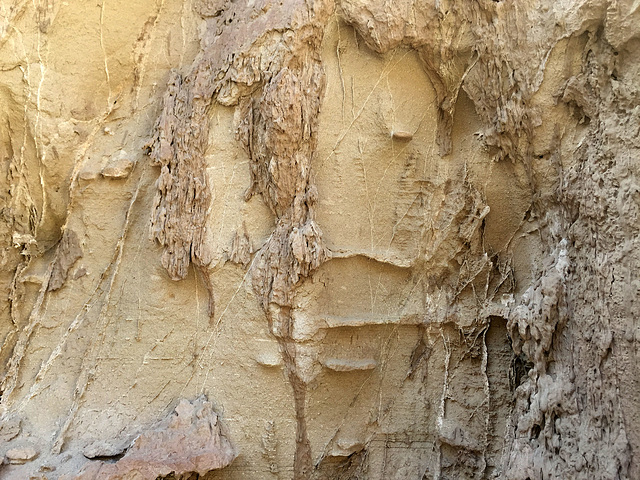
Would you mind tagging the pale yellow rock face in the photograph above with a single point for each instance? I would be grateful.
(362, 239)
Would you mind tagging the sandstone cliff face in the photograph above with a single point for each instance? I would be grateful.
(366, 239)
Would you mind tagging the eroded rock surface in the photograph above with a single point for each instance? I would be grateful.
(386, 239)
(190, 441)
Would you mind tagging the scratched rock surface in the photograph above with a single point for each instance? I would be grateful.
(318, 239)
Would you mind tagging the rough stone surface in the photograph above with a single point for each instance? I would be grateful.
(190, 441)
(18, 456)
(364, 239)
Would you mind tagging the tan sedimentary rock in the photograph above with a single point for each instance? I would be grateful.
(68, 253)
(18, 456)
(189, 441)
(417, 221)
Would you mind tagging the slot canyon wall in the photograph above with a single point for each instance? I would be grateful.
(317, 239)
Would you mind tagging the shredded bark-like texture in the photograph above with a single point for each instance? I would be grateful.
(183, 195)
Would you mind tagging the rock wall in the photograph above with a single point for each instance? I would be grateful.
(362, 239)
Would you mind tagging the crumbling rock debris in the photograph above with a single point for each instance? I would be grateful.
(190, 440)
